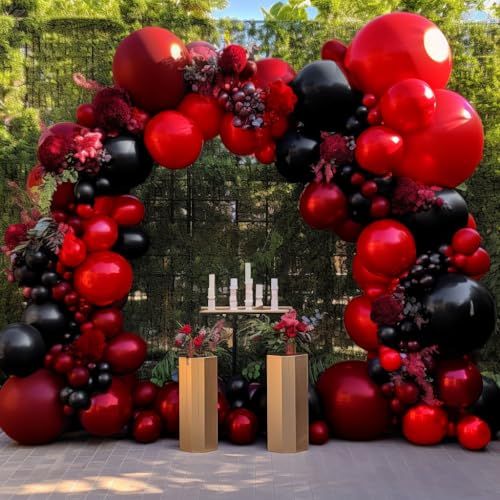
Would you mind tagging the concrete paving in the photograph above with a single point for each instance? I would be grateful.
(89, 468)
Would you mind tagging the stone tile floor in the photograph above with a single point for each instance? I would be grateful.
(83, 468)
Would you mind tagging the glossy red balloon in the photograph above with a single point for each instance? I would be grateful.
(104, 278)
(323, 205)
(358, 324)
(108, 320)
(466, 241)
(459, 382)
(425, 425)
(473, 433)
(31, 413)
(447, 152)
(109, 411)
(390, 360)
(242, 426)
(144, 394)
(408, 105)
(78, 377)
(236, 139)
(85, 115)
(100, 233)
(167, 406)
(148, 64)
(223, 408)
(67, 130)
(127, 210)
(266, 154)
(125, 353)
(477, 264)
(201, 49)
(147, 427)
(173, 140)
(407, 392)
(397, 46)
(63, 196)
(318, 432)
(386, 247)
(103, 205)
(366, 279)
(272, 69)
(73, 251)
(354, 406)
(379, 149)
(204, 111)
(334, 50)
(348, 230)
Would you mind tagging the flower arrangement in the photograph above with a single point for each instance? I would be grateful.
(198, 343)
(291, 328)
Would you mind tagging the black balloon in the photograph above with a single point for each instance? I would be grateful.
(79, 400)
(65, 394)
(237, 389)
(315, 408)
(487, 406)
(377, 373)
(436, 226)
(295, 155)
(103, 186)
(325, 97)
(130, 163)
(49, 319)
(50, 278)
(36, 260)
(461, 315)
(103, 381)
(388, 336)
(84, 192)
(25, 276)
(258, 404)
(133, 242)
(22, 349)
(40, 294)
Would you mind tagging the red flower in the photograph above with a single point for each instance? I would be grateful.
(198, 341)
(411, 196)
(112, 109)
(290, 325)
(334, 148)
(233, 59)
(14, 235)
(186, 329)
(52, 152)
(387, 310)
(280, 98)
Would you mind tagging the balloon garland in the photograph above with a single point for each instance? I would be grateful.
(381, 145)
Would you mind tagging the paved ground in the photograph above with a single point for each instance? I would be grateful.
(388, 469)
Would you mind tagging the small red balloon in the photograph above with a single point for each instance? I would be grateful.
(348, 230)
(147, 427)
(380, 207)
(202, 50)
(242, 426)
(173, 140)
(73, 251)
(100, 233)
(272, 69)
(390, 360)
(407, 392)
(267, 154)
(204, 111)
(359, 325)
(334, 50)
(167, 406)
(425, 425)
(318, 432)
(477, 264)
(466, 241)
(78, 377)
(459, 382)
(85, 115)
(109, 321)
(223, 408)
(144, 394)
(471, 222)
(127, 210)
(236, 139)
(473, 433)
(63, 362)
(125, 353)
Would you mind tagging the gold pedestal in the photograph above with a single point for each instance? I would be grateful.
(287, 403)
(198, 424)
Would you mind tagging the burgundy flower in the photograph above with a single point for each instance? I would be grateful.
(14, 235)
(411, 196)
(387, 310)
(233, 59)
(335, 149)
(52, 153)
(112, 109)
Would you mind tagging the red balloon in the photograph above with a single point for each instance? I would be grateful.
(85, 115)
(379, 149)
(322, 205)
(66, 130)
(35, 177)
(318, 432)
(204, 111)
(365, 278)
(78, 377)
(167, 405)
(236, 139)
(390, 360)
(73, 251)
(408, 105)
(473, 433)
(459, 382)
(380, 207)
(348, 230)
(31, 413)
(201, 49)
(100, 233)
(447, 152)
(407, 392)
(103, 205)
(471, 222)
(466, 241)
(223, 408)
(358, 324)
(104, 278)
(173, 140)
(272, 69)
(267, 154)
(334, 50)
(477, 264)
(109, 411)
(147, 427)
(109, 321)
(148, 64)
(425, 425)
(242, 426)
(395, 47)
(386, 247)
(125, 353)
(354, 405)
(144, 394)
(128, 210)
(63, 196)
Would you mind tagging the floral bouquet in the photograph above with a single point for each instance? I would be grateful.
(291, 328)
(200, 343)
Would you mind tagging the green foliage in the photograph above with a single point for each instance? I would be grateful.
(164, 370)
(293, 10)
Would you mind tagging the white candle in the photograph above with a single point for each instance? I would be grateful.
(211, 286)
(248, 271)
(274, 294)
(259, 295)
(249, 294)
(233, 298)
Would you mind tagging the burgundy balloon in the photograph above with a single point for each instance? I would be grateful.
(125, 353)
(223, 408)
(167, 406)
(242, 426)
(144, 394)
(147, 427)
(108, 320)
(318, 432)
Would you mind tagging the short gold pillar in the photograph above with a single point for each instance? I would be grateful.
(287, 403)
(198, 423)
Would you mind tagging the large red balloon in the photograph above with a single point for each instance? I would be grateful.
(354, 405)
(127, 210)
(386, 247)
(109, 411)
(167, 405)
(365, 278)
(358, 323)
(147, 427)
(30, 411)
(272, 69)
(242, 426)
(204, 111)
(459, 382)
(397, 46)
(104, 278)
(425, 425)
(148, 64)
(125, 353)
(447, 152)
(100, 233)
(236, 139)
(173, 140)
(473, 433)
(73, 251)
(322, 205)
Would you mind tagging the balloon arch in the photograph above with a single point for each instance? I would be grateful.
(380, 144)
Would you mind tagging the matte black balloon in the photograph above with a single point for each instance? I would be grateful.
(488, 405)
(84, 192)
(461, 313)
(237, 388)
(133, 242)
(65, 394)
(103, 381)
(377, 373)
(103, 186)
(388, 336)
(25, 276)
(434, 227)
(315, 408)
(36, 260)
(239, 403)
(40, 294)
(258, 403)
(22, 349)
(295, 155)
(325, 97)
(79, 400)
(50, 278)
(130, 163)
(49, 319)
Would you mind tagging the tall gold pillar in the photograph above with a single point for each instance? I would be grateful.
(287, 403)
(198, 424)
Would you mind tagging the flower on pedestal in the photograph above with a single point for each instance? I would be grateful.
(198, 343)
(290, 327)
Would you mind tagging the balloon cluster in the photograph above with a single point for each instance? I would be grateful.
(381, 145)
